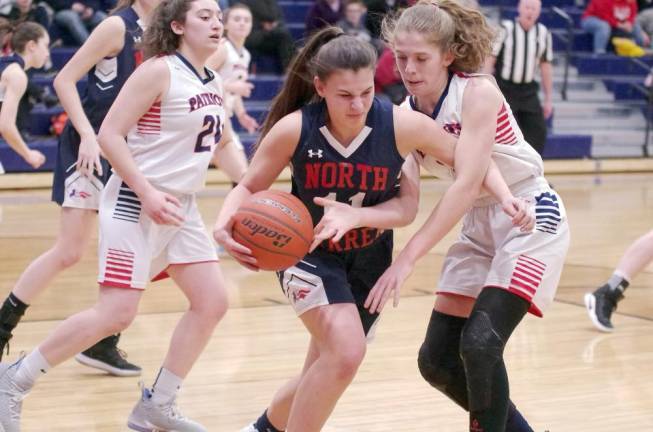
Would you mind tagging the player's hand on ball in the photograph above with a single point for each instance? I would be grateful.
(162, 208)
(389, 284)
(337, 220)
(521, 212)
(223, 236)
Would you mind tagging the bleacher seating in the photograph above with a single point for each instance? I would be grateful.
(596, 82)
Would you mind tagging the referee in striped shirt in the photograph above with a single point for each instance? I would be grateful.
(523, 45)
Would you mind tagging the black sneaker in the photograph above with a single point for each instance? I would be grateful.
(600, 304)
(105, 355)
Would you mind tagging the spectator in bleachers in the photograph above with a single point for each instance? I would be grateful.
(353, 23)
(27, 10)
(387, 81)
(323, 13)
(612, 18)
(269, 36)
(645, 16)
(78, 18)
(513, 65)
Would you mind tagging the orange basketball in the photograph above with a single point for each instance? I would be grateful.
(276, 226)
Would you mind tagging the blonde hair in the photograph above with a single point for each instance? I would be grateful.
(448, 25)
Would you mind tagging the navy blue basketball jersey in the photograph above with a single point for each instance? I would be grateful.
(5, 62)
(364, 173)
(107, 77)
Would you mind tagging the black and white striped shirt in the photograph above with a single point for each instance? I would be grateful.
(520, 52)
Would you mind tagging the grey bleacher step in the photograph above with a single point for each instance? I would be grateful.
(588, 110)
(595, 124)
(616, 142)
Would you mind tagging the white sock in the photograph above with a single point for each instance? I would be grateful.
(33, 366)
(165, 387)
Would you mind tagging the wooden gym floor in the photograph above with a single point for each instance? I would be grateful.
(565, 376)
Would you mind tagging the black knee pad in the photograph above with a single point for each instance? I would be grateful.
(439, 359)
(481, 348)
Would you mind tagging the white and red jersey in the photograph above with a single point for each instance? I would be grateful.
(235, 67)
(173, 142)
(516, 159)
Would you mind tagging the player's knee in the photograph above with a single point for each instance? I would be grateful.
(118, 319)
(212, 308)
(432, 369)
(348, 359)
(69, 256)
(481, 348)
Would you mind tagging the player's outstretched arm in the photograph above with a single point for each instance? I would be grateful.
(471, 158)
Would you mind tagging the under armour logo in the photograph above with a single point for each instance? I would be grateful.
(313, 153)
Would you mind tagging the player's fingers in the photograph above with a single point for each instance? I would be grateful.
(338, 235)
(98, 165)
(322, 202)
(172, 199)
(397, 296)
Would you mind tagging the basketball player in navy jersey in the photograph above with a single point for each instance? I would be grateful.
(493, 274)
(30, 44)
(109, 56)
(346, 148)
(159, 136)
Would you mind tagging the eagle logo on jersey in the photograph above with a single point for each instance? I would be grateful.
(453, 128)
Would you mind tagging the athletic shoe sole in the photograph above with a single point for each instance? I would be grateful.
(91, 362)
(590, 305)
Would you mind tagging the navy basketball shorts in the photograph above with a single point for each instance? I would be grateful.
(69, 187)
(324, 278)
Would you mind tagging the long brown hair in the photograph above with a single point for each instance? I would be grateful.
(20, 34)
(122, 4)
(449, 26)
(325, 51)
(159, 38)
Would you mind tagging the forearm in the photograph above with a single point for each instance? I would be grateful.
(495, 184)
(15, 141)
(230, 205)
(547, 81)
(456, 201)
(72, 104)
(239, 106)
(387, 215)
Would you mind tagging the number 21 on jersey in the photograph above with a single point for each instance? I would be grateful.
(212, 126)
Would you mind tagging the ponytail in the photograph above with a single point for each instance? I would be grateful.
(325, 51)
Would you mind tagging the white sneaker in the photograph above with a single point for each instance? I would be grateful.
(148, 417)
(11, 398)
(249, 428)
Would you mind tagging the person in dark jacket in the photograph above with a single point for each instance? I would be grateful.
(269, 35)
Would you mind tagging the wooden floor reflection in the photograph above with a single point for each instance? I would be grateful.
(564, 375)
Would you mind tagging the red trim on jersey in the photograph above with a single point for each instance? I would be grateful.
(454, 294)
(150, 122)
(117, 285)
(164, 273)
